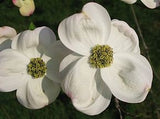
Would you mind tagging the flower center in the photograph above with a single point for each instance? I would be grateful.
(36, 68)
(101, 56)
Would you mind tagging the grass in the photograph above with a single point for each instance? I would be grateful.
(50, 13)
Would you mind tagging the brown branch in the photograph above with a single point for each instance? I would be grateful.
(143, 42)
(147, 55)
(5, 112)
(121, 110)
(118, 107)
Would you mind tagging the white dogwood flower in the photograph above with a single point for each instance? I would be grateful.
(6, 34)
(26, 7)
(106, 61)
(149, 3)
(31, 67)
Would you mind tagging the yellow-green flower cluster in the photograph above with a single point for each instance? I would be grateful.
(101, 56)
(36, 68)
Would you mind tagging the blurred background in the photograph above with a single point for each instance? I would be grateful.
(50, 13)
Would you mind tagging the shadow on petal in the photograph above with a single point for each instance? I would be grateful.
(5, 45)
(102, 88)
(50, 89)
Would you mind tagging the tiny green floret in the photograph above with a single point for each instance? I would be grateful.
(36, 68)
(101, 56)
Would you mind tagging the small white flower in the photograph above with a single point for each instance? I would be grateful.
(26, 7)
(149, 3)
(6, 33)
(31, 67)
(106, 61)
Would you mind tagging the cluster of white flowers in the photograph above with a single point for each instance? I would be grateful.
(22, 66)
(94, 58)
(27, 7)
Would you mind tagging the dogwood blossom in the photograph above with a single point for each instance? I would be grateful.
(31, 67)
(149, 3)
(6, 33)
(106, 60)
(26, 7)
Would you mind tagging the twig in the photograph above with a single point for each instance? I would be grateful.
(139, 29)
(121, 110)
(129, 114)
(118, 107)
(5, 112)
(147, 54)
(158, 115)
(143, 42)
(31, 114)
(156, 107)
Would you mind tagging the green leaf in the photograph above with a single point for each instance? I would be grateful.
(32, 26)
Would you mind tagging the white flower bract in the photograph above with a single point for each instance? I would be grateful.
(128, 77)
(149, 3)
(6, 35)
(26, 7)
(33, 92)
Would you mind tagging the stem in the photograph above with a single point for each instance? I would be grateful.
(143, 42)
(139, 29)
(147, 55)
(121, 110)
(118, 108)
(5, 112)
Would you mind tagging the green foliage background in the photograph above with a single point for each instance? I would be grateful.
(50, 13)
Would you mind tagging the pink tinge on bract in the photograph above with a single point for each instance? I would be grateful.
(14, 1)
(26, 7)
(7, 31)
